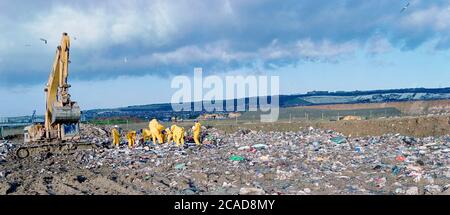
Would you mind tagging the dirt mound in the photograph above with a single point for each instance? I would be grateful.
(410, 108)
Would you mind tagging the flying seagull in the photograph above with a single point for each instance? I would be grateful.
(405, 7)
(45, 41)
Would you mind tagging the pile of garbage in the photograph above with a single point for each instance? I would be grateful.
(99, 135)
(5, 148)
(306, 162)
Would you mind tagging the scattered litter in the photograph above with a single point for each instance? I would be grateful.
(180, 166)
(433, 189)
(395, 170)
(236, 158)
(81, 178)
(400, 158)
(251, 191)
(243, 148)
(264, 158)
(12, 187)
(409, 140)
(260, 146)
(338, 140)
(412, 191)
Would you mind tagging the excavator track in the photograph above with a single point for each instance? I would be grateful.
(55, 148)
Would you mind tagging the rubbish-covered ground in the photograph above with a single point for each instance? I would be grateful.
(309, 161)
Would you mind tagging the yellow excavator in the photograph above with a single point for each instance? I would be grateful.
(60, 132)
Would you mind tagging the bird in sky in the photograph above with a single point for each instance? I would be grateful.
(405, 7)
(44, 40)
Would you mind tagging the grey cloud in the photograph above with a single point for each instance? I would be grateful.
(161, 38)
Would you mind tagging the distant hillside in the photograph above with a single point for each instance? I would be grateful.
(164, 111)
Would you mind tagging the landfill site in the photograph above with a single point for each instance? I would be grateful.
(225, 98)
(387, 155)
(302, 161)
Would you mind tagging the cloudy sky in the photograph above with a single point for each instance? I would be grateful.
(126, 52)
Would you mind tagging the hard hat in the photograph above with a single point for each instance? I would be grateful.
(115, 126)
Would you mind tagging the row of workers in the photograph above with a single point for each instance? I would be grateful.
(156, 131)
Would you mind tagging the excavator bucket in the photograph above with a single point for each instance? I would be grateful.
(66, 114)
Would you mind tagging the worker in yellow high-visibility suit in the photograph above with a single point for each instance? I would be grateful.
(168, 135)
(116, 136)
(146, 134)
(178, 134)
(131, 136)
(196, 130)
(155, 129)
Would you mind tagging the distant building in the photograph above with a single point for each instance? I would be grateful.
(351, 118)
(234, 115)
(211, 116)
(3, 120)
(317, 92)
